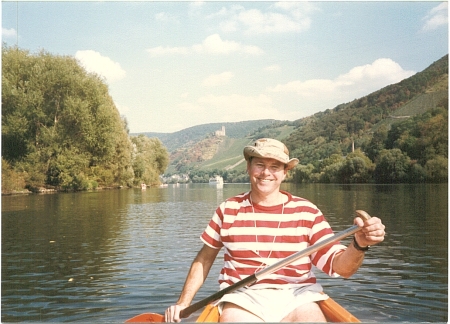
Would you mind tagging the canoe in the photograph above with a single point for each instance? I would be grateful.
(332, 310)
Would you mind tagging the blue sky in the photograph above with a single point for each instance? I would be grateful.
(174, 64)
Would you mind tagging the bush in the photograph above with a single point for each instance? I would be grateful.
(11, 180)
(437, 169)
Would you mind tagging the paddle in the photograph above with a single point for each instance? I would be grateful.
(152, 317)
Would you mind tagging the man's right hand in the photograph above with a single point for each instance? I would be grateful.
(172, 313)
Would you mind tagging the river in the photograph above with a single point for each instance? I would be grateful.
(110, 255)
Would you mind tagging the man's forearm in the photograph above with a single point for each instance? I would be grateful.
(197, 274)
(348, 262)
(193, 283)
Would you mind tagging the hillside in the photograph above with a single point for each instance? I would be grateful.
(189, 136)
(334, 130)
(222, 152)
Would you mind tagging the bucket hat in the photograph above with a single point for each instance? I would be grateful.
(270, 148)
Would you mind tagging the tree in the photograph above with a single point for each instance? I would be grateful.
(302, 173)
(357, 168)
(393, 167)
(437, 169)
(150, 159)
(376, 144)
(59, 124)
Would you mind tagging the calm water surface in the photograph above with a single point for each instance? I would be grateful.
(107, 256)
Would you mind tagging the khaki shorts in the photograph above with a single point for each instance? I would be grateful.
(272, 305)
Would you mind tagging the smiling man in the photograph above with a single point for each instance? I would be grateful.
(261, 227)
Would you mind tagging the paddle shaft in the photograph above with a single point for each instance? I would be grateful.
(272, 268)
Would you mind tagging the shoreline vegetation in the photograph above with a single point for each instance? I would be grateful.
(61, 132)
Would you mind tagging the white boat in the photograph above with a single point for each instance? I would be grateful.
(217, 180)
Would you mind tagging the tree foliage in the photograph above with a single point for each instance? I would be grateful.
(60, 126)
(327, 139)
(150, 159)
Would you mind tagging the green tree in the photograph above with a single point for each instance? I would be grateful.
(302, 173)
(332, 173)
(150, 159)
(357, 168)
(376, 144)
(59, 123)
(437, 169)
(392, 167)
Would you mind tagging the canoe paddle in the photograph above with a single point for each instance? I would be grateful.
(154, 318)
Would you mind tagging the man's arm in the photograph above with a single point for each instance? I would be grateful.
(348, 262)
(197, 275)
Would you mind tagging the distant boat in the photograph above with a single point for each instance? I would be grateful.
(217, 180)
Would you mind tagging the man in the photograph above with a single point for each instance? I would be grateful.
(263, 226)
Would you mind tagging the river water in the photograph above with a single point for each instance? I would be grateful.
(106, 256)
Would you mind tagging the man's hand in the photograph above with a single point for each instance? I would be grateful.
(172, 313)
(372, 231)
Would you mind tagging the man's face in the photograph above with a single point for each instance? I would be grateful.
(266, 174)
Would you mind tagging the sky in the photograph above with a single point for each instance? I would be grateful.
(170, 65)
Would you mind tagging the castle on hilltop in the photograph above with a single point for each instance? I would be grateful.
(220, 132)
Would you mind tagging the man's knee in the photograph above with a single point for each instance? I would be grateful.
(234, 313)
(309, 312)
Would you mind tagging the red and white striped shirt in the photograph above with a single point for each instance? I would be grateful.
(257, 236)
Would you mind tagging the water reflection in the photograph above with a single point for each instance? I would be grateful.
(106, 256)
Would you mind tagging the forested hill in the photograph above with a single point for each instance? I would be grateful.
(335, 130)
(395, 135)
(189, 136)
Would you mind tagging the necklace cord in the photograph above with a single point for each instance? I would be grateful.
(263, 264)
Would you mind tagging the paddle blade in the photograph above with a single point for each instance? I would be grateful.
(146, 318)
(209, 315)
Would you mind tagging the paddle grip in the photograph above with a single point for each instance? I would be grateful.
(363, 215)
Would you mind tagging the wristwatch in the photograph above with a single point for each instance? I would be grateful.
(356, 245)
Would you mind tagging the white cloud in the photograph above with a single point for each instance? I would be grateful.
(357, 82)
(102, 65)
(212, 44)
(282, 17)
(165, 17)
(195, 7)
(272, 68)
(436, 17)
(217, 79)
(8, 33)
(257, 22)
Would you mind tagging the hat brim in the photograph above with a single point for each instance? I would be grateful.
(251, 151)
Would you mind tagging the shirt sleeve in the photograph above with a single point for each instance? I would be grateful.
(323, 259)
(211, 235)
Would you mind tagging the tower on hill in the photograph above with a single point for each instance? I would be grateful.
(220, 132)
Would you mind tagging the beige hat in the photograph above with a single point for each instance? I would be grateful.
(270, 148)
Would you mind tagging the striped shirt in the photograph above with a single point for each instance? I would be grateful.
(255, 236)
